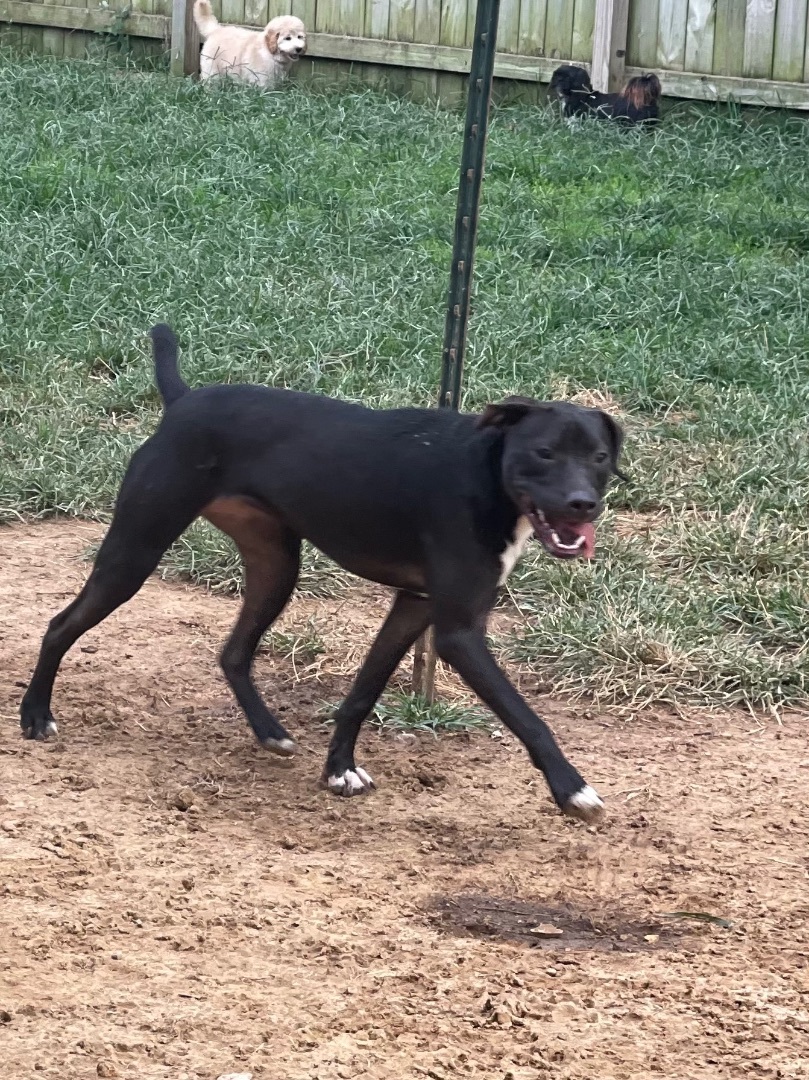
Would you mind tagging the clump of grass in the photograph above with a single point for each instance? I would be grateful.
(398, 711)
(666, 276)
(304, 645)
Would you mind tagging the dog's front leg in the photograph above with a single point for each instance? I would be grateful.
(465, 649)
(409, 617)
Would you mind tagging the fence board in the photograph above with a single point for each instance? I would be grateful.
(327, 16)
(508, 28)
(759, 39)
(609, 45)
(22, 13)
(304, 9)
(256, 12)
(584, 18)
(10, 35)
(331, 16)
(377, 16)
(453, 23)
(671, 32)
(559, 29)
(233, 11)
(53, 42)
(452, 89)
(402, 20)
(533, 14)
(790, 40)
(76, 45)
(422, 85)
(728, 49)
(31, 39)
(428, 22)
(699, 39)
(642, 33)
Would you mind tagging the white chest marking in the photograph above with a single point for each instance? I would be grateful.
(523, 531)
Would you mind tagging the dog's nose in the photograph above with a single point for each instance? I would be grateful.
(581, 503)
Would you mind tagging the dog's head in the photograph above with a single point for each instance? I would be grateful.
(570, 81)
(557, 462)
(286, 37)
(642, 91)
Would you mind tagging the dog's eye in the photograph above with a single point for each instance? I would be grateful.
(600, 457)
(544, 454)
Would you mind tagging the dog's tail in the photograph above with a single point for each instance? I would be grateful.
(205, 19)
(167, 375)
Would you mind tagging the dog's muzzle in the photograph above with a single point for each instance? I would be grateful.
(563, 539)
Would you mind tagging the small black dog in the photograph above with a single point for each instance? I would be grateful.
(637, 103)
(435, 504)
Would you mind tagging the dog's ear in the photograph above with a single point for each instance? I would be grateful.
(615, 437)
(271, 36)
(305, 43)
(506, 413)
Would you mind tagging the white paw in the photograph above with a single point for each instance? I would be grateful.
(354, 781)
(51, 729)
(282, 747)
(586, 805)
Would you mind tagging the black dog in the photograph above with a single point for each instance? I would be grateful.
(637, 103)
(435, 504)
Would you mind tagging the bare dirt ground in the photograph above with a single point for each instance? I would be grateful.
(175, 903)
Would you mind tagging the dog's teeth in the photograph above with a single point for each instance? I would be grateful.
(567, 547)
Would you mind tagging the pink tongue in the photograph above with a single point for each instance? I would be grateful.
(589, 533)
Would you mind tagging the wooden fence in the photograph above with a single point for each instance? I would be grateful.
(751, 51)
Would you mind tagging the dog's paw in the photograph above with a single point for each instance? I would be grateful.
(354, 781)
(37, 723)
(585, 805)
(281, 747)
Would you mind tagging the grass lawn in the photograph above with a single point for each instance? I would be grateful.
(303, 239)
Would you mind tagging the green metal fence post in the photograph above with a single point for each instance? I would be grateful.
(473, 156)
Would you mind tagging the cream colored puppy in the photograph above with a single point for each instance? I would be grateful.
(262, 57)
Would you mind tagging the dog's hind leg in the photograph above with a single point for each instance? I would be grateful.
(154, 507)
(409, 617)
(271, 557)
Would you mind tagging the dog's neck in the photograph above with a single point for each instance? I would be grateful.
(505, 512)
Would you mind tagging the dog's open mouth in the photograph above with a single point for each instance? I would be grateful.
(564, 539)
